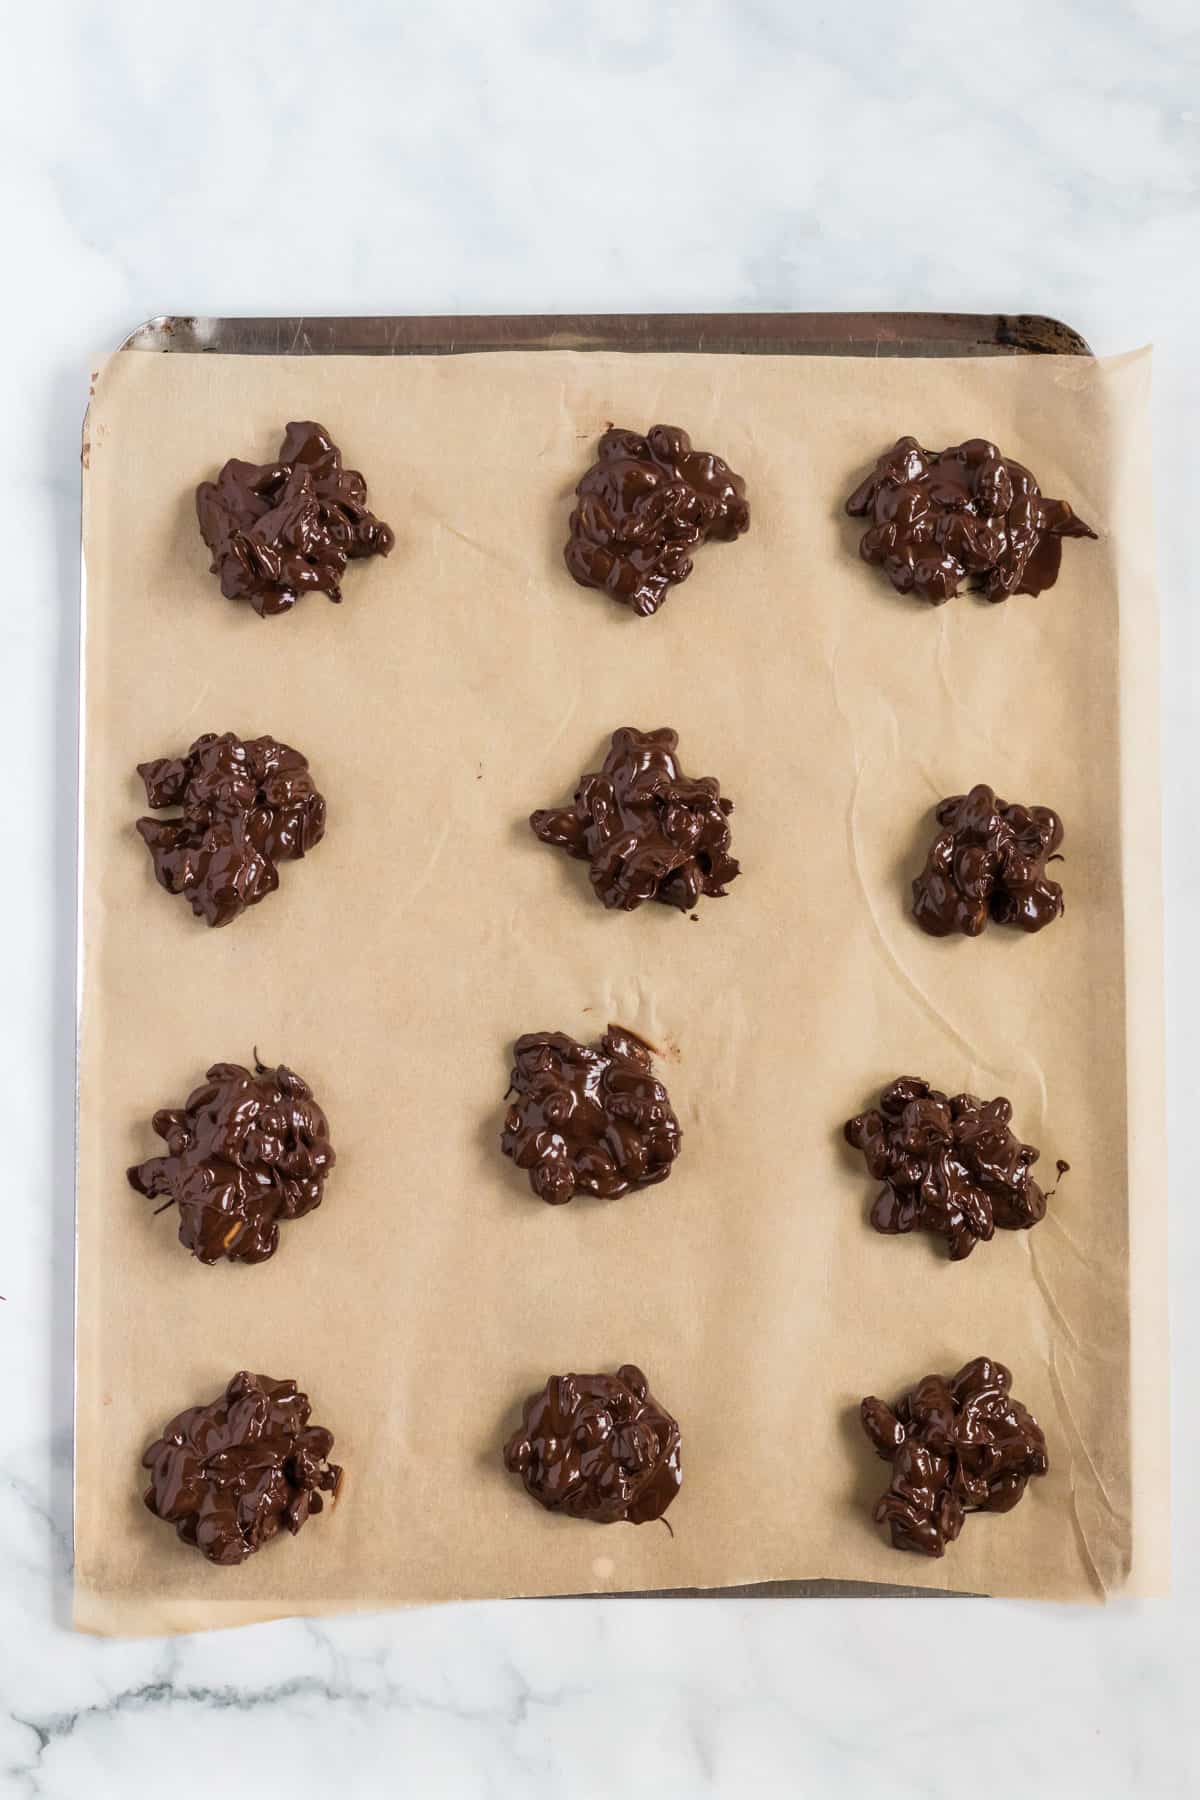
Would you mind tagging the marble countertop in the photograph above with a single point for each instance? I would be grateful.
(534, 157)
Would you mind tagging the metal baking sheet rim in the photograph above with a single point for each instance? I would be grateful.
(806, 334)
(755, 333)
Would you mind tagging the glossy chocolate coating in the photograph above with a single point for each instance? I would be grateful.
(591, 1119)
(644, 506)
(646, 830)
(949, 1165)
(279, 530)
(598, 1447)
(988, 862)
(957, 1444)
(939, 517)
(244, 1151)
(247, 806)
(231, 1475)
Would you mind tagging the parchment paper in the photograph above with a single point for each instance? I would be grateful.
(467, 680)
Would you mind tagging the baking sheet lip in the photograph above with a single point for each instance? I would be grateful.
(818, 1588)
(80, 723)
(168, 325)
(802, 333)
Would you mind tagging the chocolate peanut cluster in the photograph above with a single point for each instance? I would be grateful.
(231, 1475)
(598, 1447)
(646, 830)
(245, 1151)
(957, 1444)
(591, 1119)
(949, 1165)
(246, 807)
(941, 517)
(283, 529)
(644, 507)
(989, 862)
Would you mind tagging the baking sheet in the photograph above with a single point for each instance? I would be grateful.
(782, 333)
(430, 1293)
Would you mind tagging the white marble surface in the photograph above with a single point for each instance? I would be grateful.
(477, 155)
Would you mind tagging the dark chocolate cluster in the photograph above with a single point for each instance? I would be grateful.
(247, 806)
(245, 1151)
(645, 829)
(950, 1166)
(279, 530)
(231, 1475)
(957, 1444)
(939, 517)
(598, 1447)
(988, 862)
(644, 506)
(590, 1119)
